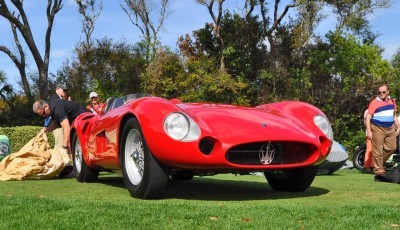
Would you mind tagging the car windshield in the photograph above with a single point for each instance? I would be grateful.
(134, 96)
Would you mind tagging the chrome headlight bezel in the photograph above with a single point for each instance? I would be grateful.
(181, 127)
(323, 124)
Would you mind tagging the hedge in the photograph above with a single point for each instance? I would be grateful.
(20, 135)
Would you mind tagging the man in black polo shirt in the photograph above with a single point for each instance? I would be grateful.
(62, 112)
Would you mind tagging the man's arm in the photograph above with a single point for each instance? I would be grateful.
(53, 125)
(67, 130)
(396, 122)
(368, 126)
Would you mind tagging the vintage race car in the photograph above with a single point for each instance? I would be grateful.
(151, 139)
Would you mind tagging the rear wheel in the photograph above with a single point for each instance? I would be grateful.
(358, 158)
(293, 180)
(82, 171)
(144, 176)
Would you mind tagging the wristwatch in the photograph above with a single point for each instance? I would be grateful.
(65, 147)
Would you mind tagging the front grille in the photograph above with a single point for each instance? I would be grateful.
(285, 153)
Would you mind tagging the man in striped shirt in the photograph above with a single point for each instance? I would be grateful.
(382, 128)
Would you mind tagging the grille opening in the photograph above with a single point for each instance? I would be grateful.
(249, 154)
(206, 145)
(285, 153)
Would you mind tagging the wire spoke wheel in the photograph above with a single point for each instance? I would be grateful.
(144, 176)
(83, 172)
(78, 156)
(134, 157)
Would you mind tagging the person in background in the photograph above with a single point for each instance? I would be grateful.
(61, 93)
(382, 128)
(67, 96)
(95, 105)
(368, 164)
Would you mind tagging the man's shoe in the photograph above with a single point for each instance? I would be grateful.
(67, 172)
(380, 172)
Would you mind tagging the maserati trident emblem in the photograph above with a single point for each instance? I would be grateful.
(267, 153)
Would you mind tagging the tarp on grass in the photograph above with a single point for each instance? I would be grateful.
(34, 161)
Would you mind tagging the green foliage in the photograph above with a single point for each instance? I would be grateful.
(343, 74)
(21, 135)
(18, 112)
(163, 75)
(197, 80)
(107, 67)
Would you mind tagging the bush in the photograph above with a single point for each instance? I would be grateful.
(20, 135)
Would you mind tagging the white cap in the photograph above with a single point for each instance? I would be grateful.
(93, 94)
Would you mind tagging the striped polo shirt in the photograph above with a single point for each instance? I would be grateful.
(382, 112)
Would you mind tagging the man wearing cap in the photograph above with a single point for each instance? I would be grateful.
(61, 93)
(95, 106)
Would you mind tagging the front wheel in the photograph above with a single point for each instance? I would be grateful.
(83, 172)
(359, 157)
(144, 176)
(292, 180)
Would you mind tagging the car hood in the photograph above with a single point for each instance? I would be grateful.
(250, 124)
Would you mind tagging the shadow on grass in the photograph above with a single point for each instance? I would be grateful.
(201, 188)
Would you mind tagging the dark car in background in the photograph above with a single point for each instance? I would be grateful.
(359, 157)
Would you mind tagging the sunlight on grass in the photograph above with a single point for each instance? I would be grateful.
(345, 200)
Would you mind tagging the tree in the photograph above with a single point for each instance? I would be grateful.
(343, 74)
(89, 13)
(19, 22)
(396, 59)
(109, 68)
(203, 79)
(5, 88)
(140, 14)
(245, 54)
(19, 61)
(216, 27)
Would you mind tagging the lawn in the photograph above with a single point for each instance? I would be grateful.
(347, 199)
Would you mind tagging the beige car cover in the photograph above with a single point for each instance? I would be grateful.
(34, 161)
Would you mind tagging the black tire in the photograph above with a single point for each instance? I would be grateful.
(144, 176)
(293, 180)
(82, 171)
(359, 156)
(182, 175)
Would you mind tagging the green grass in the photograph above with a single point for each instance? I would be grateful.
(345, 200)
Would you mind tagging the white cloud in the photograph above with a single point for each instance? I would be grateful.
(60, 54)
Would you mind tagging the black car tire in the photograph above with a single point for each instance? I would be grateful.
(144, 176)
(293, 180)
(359, 156)
(82, 171)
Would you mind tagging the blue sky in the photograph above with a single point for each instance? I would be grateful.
(186, 16)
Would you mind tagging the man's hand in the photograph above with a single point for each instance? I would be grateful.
(369, 135)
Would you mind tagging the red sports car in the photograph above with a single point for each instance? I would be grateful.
(151, 139)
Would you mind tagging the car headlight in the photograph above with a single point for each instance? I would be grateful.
(323, 124)
(181, 128)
